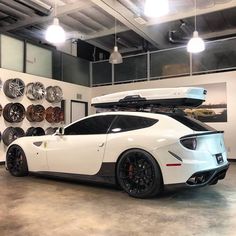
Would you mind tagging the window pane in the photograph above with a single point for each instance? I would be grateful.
(132, 69)
(102, 73)
(93, 125)
(127, 123)
(38, 61)
(12, 53)
(168, 63)
(75, 70)
(218, 55)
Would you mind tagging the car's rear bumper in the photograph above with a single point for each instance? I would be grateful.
(206, 177)
(202, 178)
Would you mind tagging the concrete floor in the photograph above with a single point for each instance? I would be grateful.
(40, 207)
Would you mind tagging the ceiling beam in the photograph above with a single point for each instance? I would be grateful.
(106, 32)
(219, 34)
(61, 10)
(126, 17)
(99, 45)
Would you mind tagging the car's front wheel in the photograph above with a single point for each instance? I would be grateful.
(16, 161)
(138, 174)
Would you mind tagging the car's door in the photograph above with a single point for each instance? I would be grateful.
(80, 150)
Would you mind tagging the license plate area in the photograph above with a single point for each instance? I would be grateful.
(219, 158)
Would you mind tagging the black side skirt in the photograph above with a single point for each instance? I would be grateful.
(105, 175)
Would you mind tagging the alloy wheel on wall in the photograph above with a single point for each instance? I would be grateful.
(51, 130)
(10, 134)
(14, 88)
(54, 94)
(35, 113)
(35, 91)
(35, 131)
(14, 112)
(54, 115)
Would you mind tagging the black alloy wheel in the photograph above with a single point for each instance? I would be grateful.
(35, 131)
(10, 134)
(14, 112)
(16, 161)
(139, 174)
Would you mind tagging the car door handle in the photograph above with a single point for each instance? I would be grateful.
(101, 145)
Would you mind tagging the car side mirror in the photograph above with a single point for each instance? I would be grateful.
(60, 131)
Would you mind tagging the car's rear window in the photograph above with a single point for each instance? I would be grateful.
(193, 124)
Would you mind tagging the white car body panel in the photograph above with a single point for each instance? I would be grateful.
(83, 153)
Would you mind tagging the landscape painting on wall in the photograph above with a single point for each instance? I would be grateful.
(214, 109)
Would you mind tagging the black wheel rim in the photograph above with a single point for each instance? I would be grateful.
(14, 160)
(16, 112)
(136, 173)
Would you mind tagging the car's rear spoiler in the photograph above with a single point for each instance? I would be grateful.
(201, 134)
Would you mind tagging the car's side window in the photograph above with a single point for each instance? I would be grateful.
(91, 125)
(126, 123)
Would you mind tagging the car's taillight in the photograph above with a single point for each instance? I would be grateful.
(190, 143)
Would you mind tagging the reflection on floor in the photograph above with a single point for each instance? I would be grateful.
(37, 206)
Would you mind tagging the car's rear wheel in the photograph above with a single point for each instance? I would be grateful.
(139, 174)
(16, 161)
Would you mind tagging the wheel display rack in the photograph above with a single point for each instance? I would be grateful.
(15, 112)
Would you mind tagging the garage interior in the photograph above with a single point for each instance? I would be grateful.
(154, 55)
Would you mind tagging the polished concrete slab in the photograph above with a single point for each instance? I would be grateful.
(42, 207)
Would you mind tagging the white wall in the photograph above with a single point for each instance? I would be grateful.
(69, 90)
(228, 77)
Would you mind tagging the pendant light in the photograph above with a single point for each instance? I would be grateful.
(115, 57)
(195, 44)
(156, 8)
(55, 33)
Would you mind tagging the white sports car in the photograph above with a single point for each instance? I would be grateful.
(142, 152)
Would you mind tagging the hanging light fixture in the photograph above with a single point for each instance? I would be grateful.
(115, 57)
(156, 8)
(195, 44)
(55, 33)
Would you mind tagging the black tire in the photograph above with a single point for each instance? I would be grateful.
(16, 161)
(139, 174)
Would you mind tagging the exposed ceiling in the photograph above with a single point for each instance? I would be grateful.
(93, 21)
